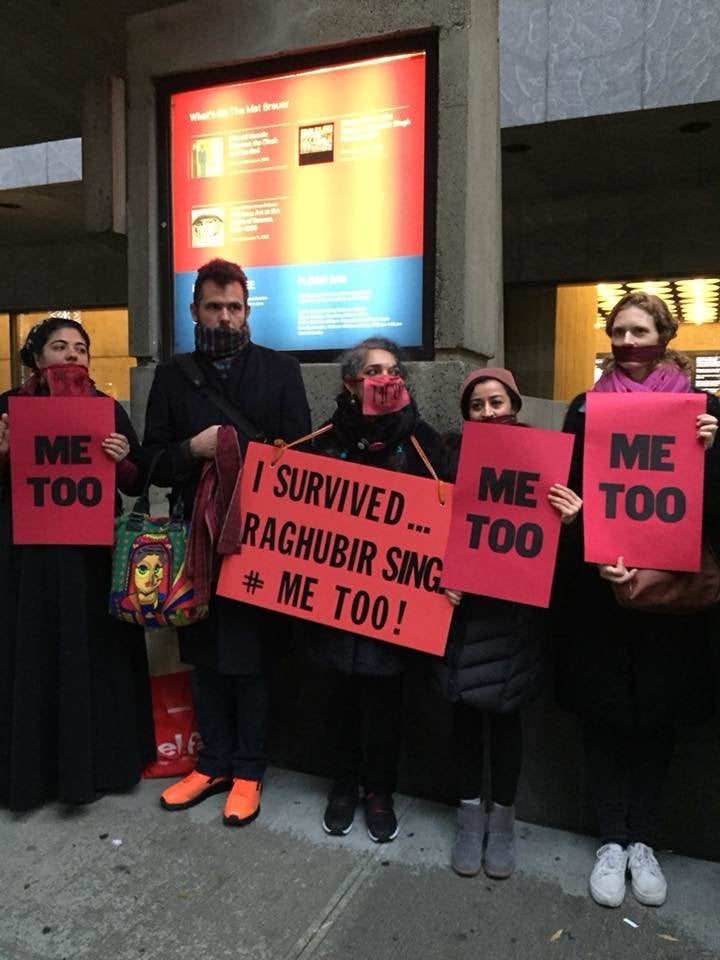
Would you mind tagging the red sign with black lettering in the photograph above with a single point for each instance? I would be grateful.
(352, 547)
(504, 533)
(643, 480)
(63, 483)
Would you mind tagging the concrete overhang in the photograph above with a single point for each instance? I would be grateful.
(42, 214)
(39, 164)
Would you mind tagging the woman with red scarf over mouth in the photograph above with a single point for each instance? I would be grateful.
(633, 677)
(492, 669)
(375, 423)
(75, 716)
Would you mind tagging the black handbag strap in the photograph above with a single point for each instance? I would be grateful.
(141, 507)
(191, 368)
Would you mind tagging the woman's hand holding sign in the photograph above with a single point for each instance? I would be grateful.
(617, 573)
(707, 426)
(116, 446)
(454, 597)
(565, 501)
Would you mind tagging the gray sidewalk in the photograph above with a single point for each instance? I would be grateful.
(124, 880)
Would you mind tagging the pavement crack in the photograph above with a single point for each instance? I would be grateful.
(333, 910)
(316, 932)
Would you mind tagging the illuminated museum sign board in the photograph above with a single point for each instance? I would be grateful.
(315, 180)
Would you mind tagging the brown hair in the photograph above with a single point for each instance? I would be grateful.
(665, 323)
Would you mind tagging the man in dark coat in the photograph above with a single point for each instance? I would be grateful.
(259, 392)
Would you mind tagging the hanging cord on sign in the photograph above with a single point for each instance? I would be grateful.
(281, 446)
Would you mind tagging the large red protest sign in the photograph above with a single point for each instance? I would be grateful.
(643, 480)
(504, 533)
(63, 484)
(348, 546)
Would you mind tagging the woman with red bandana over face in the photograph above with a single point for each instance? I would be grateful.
(75, 717)
(492, 669)
(374, 424)
(633, 677)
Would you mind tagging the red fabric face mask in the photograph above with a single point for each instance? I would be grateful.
(507, 418)
(383, 394)
(626, 353)
(68, 380)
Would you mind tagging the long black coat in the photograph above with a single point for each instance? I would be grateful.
(629, 669)
(348, 652)
(75, 715)
(267, 387)
(493, 659)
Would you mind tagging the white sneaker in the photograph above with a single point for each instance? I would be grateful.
(648, 882)
(607, 881)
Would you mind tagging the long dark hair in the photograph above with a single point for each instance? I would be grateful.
(41, 333)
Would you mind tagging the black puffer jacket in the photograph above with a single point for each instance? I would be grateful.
(494, 654)
(350, 440)
(629, 669)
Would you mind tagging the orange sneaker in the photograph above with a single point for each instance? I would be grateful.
(192, 789)
(243, 802)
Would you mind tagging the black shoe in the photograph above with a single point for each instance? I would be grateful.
(382, 825)
(339, 813)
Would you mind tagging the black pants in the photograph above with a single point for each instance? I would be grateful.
(232, 714)
(504, 735)
(626, 771)
(364, 729)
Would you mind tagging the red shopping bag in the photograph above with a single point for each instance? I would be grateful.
(176, 733)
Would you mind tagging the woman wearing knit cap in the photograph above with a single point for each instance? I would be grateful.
(491, 670)
(633, 677)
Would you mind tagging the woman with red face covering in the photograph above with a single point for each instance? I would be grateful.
(492, 669)
(75, 717)
(376, 423)
(633, 677)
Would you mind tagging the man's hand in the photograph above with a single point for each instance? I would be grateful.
(204, 444)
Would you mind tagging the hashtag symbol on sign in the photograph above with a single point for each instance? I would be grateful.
(253, 581)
